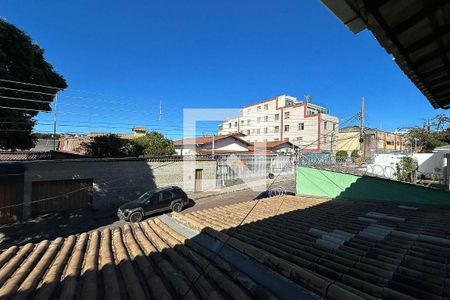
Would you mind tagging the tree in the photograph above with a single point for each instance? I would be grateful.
(110, 145)
(152, 144)
(22, 60)
(428, 140)
(406, 169)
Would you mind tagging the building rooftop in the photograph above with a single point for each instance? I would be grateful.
(287, 247)
(205, 140)
(415, 32)
(269, 145)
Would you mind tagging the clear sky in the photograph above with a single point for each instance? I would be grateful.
(120, 58)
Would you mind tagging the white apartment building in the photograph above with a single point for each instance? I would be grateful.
(284, 118)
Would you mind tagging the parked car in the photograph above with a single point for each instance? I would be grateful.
(154, 201)
(273, 193)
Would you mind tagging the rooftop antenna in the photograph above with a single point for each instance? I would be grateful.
(160, 110)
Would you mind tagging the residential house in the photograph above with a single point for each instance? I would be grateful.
(222, 144)
(275, 147)
(376, 141)
(75, 144)
(285, 118)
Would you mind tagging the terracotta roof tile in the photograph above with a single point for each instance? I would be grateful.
(208, 139)
(321, 245)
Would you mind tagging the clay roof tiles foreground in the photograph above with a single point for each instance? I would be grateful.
(337, 249)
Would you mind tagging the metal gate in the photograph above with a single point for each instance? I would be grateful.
(7, 202)
(59, 195)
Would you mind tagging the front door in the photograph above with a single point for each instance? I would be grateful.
(198, 180)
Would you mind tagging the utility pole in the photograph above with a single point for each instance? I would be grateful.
(55, 120)
(361, 133)
(160, 111)
(212, 152)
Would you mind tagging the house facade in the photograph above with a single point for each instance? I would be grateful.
(285, 118)
(224, 144)
(378, 141)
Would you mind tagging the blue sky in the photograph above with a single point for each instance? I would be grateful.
(121, 58)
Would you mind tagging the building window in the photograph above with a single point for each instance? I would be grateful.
(266, 118)
(265, 130)
(277, 128)
(229, 125)
(248, 132)
(258, 120)
(253, 130)
(286, 128)
(277, 117)
(258, 131)
(248, 122)
(301, 126)
(334, 126)
(286, 139)
(220, 127)
(325, 123)
(235, 124)
(266, 106)
(242, 122)
(258, 108)
(286, 115)
(275, 139)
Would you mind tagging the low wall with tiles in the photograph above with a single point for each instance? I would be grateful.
(329, 184)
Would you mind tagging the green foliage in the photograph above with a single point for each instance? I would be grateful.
(354, 154)
(152, 144)
(406, 169)
(22, 60)
(428, 140)
(342, 154)
(110, 145)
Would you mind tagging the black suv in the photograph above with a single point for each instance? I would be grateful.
(156, 200)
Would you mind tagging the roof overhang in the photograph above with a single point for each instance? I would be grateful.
(415, 32)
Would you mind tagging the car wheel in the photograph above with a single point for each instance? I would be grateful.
(136, 217)
(177, 207)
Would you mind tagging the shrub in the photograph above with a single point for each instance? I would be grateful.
(342, 154)
(354, 154)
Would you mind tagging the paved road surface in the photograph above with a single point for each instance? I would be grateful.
(64, 224)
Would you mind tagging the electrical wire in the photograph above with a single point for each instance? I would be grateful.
(31, 84)
(230, 236)
(77, 190)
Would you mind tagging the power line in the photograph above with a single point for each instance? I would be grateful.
(25, 99)
(26, 91)
(230, 236)
(31, 84)
(26, 109)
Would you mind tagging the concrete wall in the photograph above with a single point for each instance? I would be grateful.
(385, 164)
(119, 180)
(321, 183)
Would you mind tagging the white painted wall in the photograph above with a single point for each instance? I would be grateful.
(430, 162)
(385, 164)
(228, 144)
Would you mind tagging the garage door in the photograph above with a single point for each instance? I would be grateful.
(7, 202)
(59, 195)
